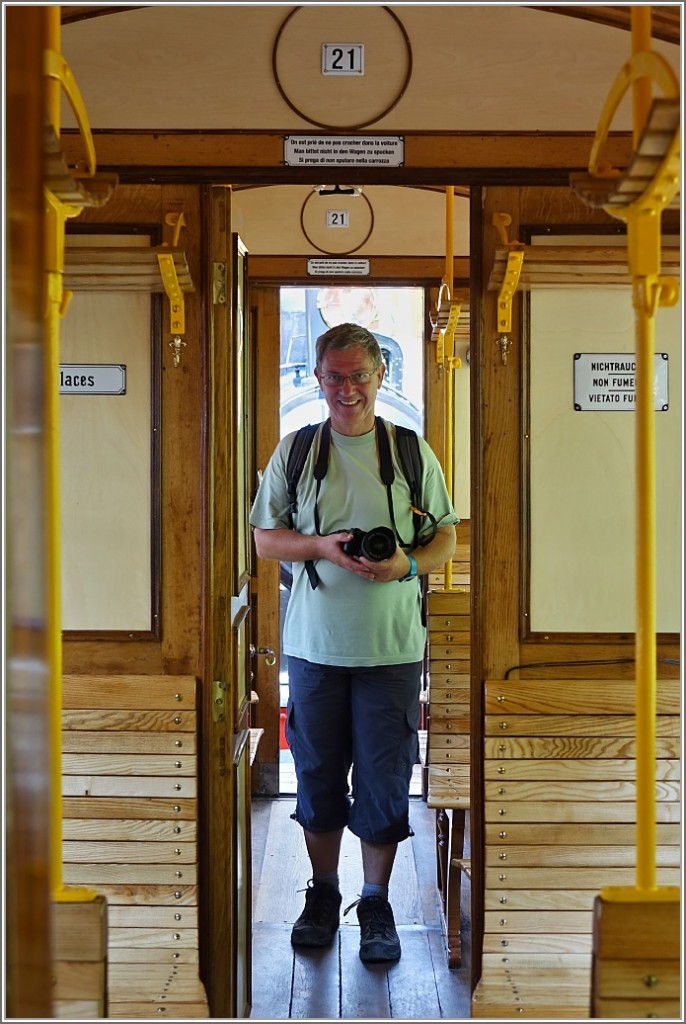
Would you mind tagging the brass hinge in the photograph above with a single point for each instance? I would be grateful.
(219, 284)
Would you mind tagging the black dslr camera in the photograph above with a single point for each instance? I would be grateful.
(377, 545)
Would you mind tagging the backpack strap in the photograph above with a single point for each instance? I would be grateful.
(411, 461)
(302, 442)
(386, 471)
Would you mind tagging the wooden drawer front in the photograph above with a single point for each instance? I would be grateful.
(455, 602)
(611, 857)
(578, 696)
(447, 638)
(504, 876)
(120, 786)
(149, 895)
(165, 830)
(539, 899)
(449, 624)
(449, 660)
(513, 942)
(124, 692)
(447, 788)
(443, 683)
(633, 1009)
(449, 748)
(153, 917)
(539, 922)
(140, 938)
(573, 746)
(167, 742)
(457, 722)
(638, 979)
(539, 810)
(129, 764)
(575, 833)
(130, 874)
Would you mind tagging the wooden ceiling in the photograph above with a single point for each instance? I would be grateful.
(665, 19)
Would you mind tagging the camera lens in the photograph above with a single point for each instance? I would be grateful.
(378, 544)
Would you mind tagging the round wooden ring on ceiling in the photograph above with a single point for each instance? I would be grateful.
(313, 223)
(296, 59)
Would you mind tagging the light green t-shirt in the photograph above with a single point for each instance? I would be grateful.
(348, 620)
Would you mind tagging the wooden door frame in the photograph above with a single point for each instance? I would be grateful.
(268, 275)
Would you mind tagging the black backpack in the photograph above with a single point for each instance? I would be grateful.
(410, 460)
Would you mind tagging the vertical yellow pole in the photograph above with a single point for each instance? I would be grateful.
(449, 354)
(643, 228)
(56, 215)
(646, 684)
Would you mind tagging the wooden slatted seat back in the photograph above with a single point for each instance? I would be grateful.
(560, 824)
(448, 746)
(448, 741)
(129, 785)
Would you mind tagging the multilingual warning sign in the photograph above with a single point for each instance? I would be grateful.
(606, 382)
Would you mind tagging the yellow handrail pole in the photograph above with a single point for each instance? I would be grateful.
(646, 684)
(649, 290)
(448, 362)
(56, 215)
(449, 231)
(644, 262)
(642, 92)
(447, 356)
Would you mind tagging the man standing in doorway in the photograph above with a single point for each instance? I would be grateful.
(354, 633)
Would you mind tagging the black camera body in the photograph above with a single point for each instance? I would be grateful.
(377, 545)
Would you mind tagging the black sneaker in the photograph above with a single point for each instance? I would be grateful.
(319, 921)
(378, 938)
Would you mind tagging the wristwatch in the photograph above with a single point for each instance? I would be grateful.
(412, 571)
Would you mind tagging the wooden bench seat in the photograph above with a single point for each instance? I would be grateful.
(129, 784)
(448, 751)
(559, 778)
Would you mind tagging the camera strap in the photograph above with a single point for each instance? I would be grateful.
(386, 471)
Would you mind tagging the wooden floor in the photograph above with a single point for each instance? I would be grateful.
(334, 983)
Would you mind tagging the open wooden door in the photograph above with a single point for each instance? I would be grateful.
(229, 552)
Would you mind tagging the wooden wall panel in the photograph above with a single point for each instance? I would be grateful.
(27, 808)
(183, 508)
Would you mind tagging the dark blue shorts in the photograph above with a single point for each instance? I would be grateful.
(366, 718)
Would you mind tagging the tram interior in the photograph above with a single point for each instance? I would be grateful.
(172, 253)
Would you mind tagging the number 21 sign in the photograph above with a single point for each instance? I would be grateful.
(342, 59)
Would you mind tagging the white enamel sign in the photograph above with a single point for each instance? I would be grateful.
(92, 379)
(335, 267)
(606, 382)
(343, 151)
(342, 59)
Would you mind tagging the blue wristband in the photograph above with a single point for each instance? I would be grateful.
(412, 571)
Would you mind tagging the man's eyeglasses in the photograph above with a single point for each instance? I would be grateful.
(336, 379)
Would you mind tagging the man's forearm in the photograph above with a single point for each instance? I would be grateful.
(285, 545)
(438, 552)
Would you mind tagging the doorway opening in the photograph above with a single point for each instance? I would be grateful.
(396, 316)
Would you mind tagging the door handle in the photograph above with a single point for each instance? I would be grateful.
(269, 655)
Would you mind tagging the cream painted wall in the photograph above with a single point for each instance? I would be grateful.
(480, 67)
(268, 221)
(106, 462)
(582, 491)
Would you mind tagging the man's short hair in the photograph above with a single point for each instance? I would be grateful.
(348, 336)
